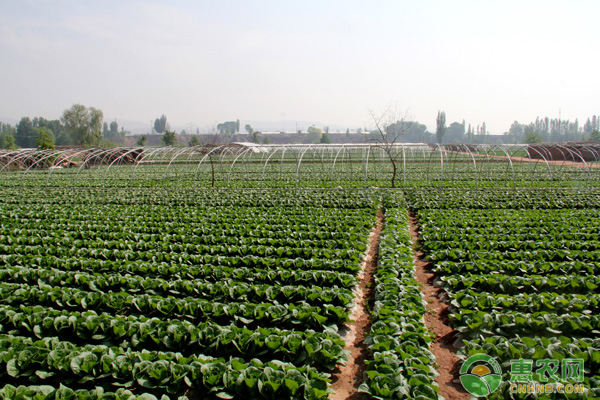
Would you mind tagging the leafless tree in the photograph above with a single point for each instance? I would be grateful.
(390, 126)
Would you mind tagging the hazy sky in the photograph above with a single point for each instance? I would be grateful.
(204, 62)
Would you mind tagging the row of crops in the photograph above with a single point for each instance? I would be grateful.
(522, 277)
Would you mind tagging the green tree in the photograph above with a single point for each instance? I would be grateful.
(455, 132)
(160, 124)
(112, 135)
(7, 138)
(516, 130)
(194, 141)
(228, 127)
(168, 139)
(325, 139)
(314, 134)
(595, 136)
(45, 141)
(142, 140)
(532, 137)
(25, 135)
(440, 129)
(83, 125)
(470, 134)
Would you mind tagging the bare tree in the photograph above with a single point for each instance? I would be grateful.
(390, 126)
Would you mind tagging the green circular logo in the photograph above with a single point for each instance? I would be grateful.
(480, 375)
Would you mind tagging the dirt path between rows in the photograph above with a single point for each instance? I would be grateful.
(348, 377)
(436, 319)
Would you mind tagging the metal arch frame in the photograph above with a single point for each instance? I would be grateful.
(429, 162)
(262, 176)
(304, 151)
(173, 157)
(191, 152)
(441, 151)
(510, 163)
(49, 153)
(71, 157)
(232, 157)
(229, 150)
(547, 164)
(19, 154)
(281, 162)
(118, 159)
(342, 148)
(453, 159)
(474, 164)
(366, 162)
(143, 159)
(516, 149)
(204, 158)
(92, 152)
(595, 150)
(574, 153)
(243, 153)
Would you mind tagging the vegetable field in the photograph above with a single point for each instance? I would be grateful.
(234, 274)
(523, 279)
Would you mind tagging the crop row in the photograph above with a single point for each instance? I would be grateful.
(323, 349)
(191, 309)
(50, 360)
(526, 302)
(402, 364)
(62, 392)
(501, 198)
(272, 200)
(519, 268)
(125, 240)
(508, 284)
(227, 290)
(276, 274)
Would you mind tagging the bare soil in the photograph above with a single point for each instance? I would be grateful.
(436, 319)
(348, 377)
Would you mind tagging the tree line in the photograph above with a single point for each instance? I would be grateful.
(541, 130)
(78, 126)
(84, 126)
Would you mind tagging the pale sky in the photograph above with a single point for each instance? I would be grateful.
(204, 62)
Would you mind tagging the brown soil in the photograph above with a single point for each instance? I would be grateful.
(348, 377)
(437, 320)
